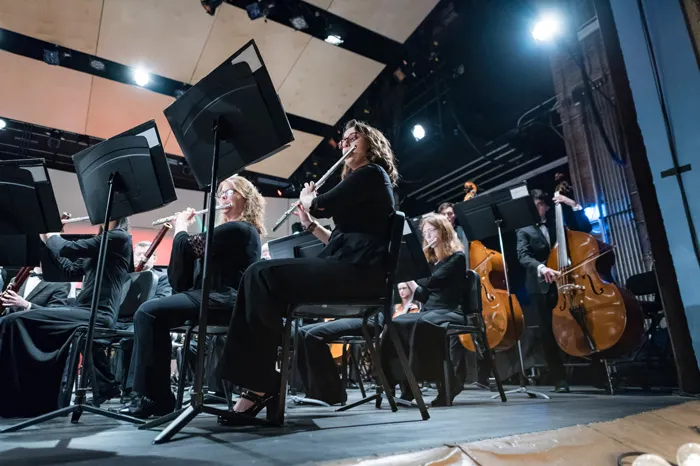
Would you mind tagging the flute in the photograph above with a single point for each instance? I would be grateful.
(163, 220)
(74, 220)
(318, 184)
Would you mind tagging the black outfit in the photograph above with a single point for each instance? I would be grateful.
(315, 363)
(34, 344)
(423, 334)
(236, 246)
(533, 250)
(163, 289)
(47, 294)
(352, 265)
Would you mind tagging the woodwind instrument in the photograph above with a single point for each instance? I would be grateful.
(16, 283)
(74, 220)
(319, 183)
(163, 220)
(152, 248)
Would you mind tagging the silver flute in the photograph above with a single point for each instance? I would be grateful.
(163, 220)
(318, 184)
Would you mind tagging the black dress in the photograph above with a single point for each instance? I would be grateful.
(236, 246)
(34, 344)
(350, 266)
(422, 334)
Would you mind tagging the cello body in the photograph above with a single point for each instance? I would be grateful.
(592, 314)
(501, 330)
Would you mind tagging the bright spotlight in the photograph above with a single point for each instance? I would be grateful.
(141, 77)
(547, 28)
(418, 132)
(334, 39)
(2, 123)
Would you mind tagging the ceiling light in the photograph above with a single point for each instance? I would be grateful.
(334, 40)
(547, 28)
(299, 22)
(2, 123)
(418, 132)
(141, 77)
(97, 64)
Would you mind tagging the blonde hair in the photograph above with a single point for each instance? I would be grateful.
(254, 210)
(379, 151)
(449, 243)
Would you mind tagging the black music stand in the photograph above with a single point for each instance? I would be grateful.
(493, 214)
(117, 179)
(230, 119)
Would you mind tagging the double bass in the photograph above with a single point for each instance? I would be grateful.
(502, 329)
(592, 314)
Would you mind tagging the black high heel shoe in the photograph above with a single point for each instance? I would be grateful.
(271, 402)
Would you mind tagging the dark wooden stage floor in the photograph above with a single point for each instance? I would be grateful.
(319, 434)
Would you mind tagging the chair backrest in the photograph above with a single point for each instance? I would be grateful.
(471, 295)
(139, 288)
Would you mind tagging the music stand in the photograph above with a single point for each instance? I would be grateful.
(493, 214)
(117, 179)
(227, 121)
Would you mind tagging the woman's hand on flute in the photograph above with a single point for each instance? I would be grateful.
(184, 219)
(307, 195)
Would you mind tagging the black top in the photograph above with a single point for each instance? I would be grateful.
(361, 206)
(444, 288)
(79, 258)
(533, 248)
(236, 246)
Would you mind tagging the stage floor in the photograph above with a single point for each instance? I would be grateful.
(316, 434)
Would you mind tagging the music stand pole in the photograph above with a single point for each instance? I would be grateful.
(79, 405)
(523, 386)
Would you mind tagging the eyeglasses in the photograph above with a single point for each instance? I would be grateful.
(429, 230)
(226, 193)
(346, 141)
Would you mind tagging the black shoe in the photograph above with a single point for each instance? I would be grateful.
(104, 397)
(144, 407)
(561, 387)
(271, 402)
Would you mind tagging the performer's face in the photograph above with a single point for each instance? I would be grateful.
(228, 195)
(404, 290)
(449, 212)
(542, 207)
(139, 253)
(431, 234)
(352, 138)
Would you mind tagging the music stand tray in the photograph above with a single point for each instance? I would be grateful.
(230, 119)
(493, 214)
(117, 179)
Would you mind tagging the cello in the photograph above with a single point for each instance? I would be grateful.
(502, 331)
(592, 314)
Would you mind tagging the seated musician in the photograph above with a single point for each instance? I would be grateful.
(37, 341)
(35, 293)
(351, 266)
(423, 334)
(407, 303)
(534, 244)
(236, 246)
(163, 289)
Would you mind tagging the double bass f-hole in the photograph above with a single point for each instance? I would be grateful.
(596, 292)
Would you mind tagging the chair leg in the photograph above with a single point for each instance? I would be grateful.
(344, 366)
(184, 367)
(284, 369)
(446, 368)
(355, 366)
(489, 354)
(408, 372)
(378, 369)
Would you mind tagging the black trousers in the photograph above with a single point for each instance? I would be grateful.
(316, 366)
(150, 360)
(34, 346)
(544, 304)
(264, 295)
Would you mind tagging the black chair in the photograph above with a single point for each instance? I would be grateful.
(139, 288)
(474, 326)
(364, 308)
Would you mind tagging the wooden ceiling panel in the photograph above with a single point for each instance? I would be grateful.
(286, 162)
(70, 23)
(116, 107)
(395, 19)
(163, 36)
(46, 95)
(326, 81)
(279, 45)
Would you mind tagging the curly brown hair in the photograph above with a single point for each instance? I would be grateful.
(379, 152)
(254, 210)
(449, 243)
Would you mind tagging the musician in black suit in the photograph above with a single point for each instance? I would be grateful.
(36, 293)
(534, 245)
